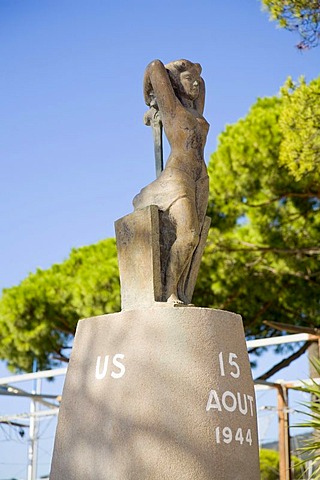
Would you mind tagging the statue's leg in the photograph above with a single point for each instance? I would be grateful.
(184, 217)
(202, 197)
(187, 281)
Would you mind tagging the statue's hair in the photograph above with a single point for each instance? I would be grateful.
(178, 66)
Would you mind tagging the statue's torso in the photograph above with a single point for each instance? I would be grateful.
(187, 134)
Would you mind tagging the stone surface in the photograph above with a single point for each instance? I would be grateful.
(142, 259)
(175, 94)
(165, 406)
(139, 258)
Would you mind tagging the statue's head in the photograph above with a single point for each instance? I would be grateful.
(185, 78)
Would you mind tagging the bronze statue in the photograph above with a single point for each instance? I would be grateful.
(177, 91)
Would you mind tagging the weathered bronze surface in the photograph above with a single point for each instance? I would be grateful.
(177, 92)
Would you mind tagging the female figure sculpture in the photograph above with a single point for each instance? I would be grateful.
(181, 191)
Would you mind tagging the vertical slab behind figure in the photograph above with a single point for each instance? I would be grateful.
(161, 390)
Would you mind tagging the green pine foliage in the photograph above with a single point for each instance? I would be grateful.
(38, 317)
(299, 123)
(302, 16)
(269, 465)
(262, 258)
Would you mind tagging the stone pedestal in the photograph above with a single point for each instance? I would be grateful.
(142, 251)
(163, 393)
(139, 258)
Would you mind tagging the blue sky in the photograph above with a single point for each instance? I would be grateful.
(73, 147)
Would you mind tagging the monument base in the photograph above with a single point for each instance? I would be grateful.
(158, 394)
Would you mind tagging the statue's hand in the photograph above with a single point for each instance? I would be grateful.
(147, 118)
(153, 103)
(151, 100)
(152, 116)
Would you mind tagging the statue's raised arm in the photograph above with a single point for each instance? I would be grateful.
(157, 88)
